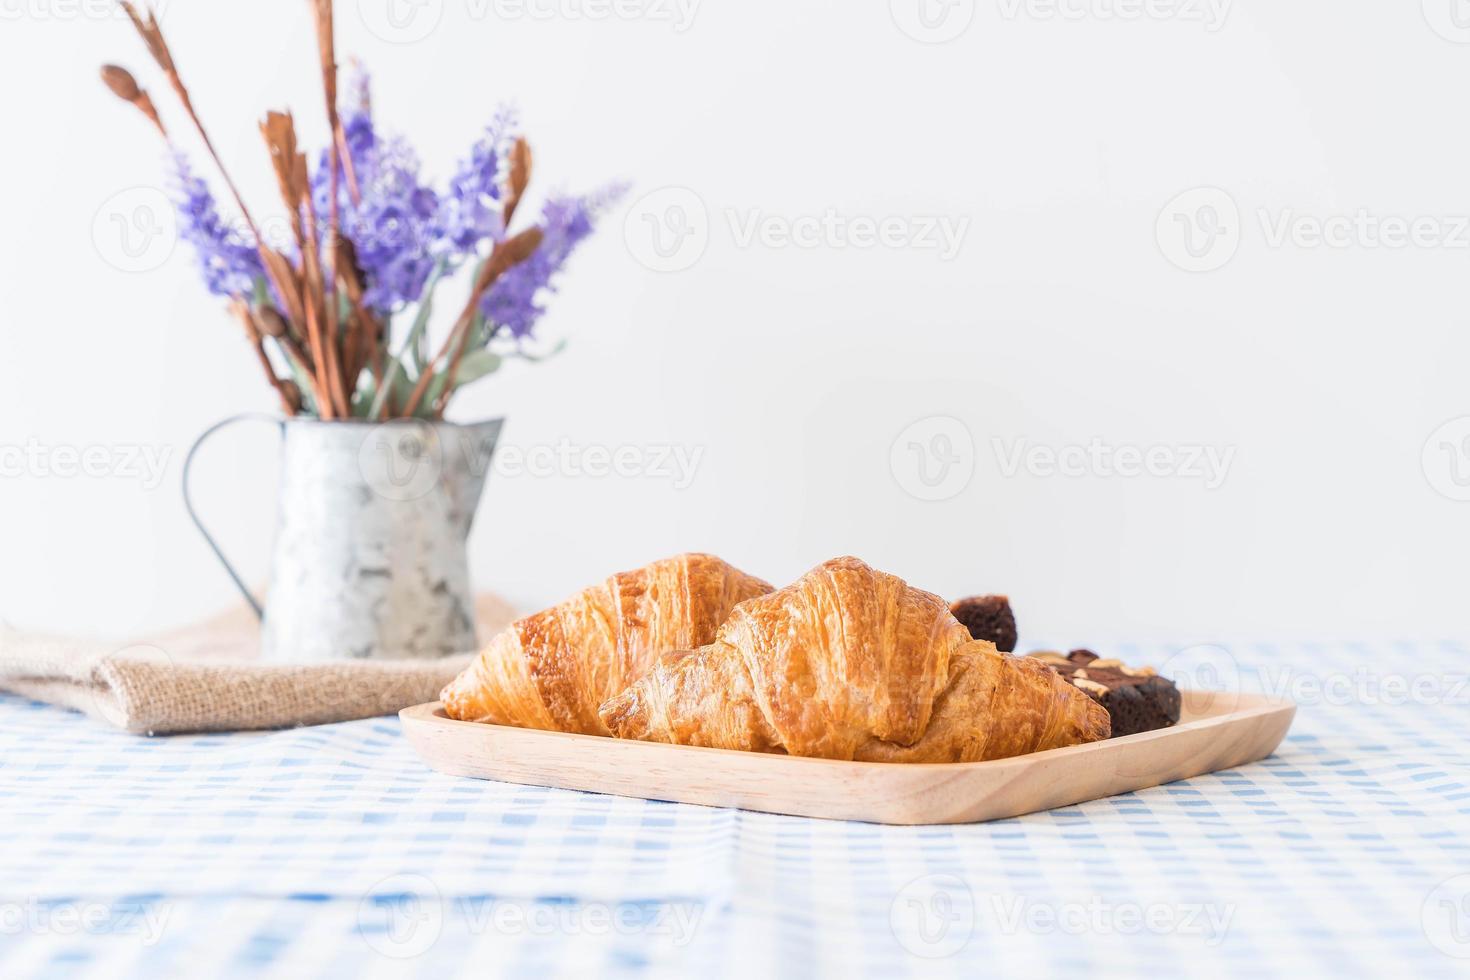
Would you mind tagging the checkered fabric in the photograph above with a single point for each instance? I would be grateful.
(334, 852)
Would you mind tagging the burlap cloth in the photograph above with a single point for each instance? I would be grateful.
(208, 678)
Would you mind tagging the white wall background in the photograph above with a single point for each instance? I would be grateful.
(794, 370)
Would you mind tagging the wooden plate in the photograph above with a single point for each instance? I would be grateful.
(1215, 731)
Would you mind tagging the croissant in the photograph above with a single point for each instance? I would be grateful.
(551, 670)
(852, 663)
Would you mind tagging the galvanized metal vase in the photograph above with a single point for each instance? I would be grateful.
(370, 560)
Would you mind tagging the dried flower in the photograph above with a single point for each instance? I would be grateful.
(472, 210)
(371, 237)
(269, 321)
(228, 261)
(519, 297)
(125, 87)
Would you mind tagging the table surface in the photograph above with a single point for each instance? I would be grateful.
(333, 851)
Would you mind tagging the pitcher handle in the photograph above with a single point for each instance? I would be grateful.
(189, 501)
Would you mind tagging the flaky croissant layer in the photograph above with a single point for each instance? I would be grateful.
(852, 663)
(553, 669)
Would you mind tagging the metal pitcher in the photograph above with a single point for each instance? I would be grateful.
(370, 560)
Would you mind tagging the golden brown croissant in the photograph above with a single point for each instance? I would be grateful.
(851, 663)
(552, 670)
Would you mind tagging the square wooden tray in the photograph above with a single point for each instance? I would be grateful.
(1215, 731)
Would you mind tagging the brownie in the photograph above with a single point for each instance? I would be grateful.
(1137, 699)
(988, 617)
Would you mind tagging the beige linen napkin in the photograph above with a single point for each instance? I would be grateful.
(208, 678)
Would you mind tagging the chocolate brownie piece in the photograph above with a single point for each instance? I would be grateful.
(988, 617)
(1137, 699)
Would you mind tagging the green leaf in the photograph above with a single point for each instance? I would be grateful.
(475, 365)
(395, 373)
(472, 367)
(561, 345)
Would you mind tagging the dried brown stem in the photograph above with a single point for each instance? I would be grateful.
(241, 310)
(520, 176)
(147, 27)
(123, 85)
(505, 254)
(319, 321)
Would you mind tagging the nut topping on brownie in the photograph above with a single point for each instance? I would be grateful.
(1137, 698)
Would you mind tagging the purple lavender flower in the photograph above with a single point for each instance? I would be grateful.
(471, 209)
(392, 226)
(227, 259)
(518, 298)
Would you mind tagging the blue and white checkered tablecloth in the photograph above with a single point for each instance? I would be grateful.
(333, 851)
